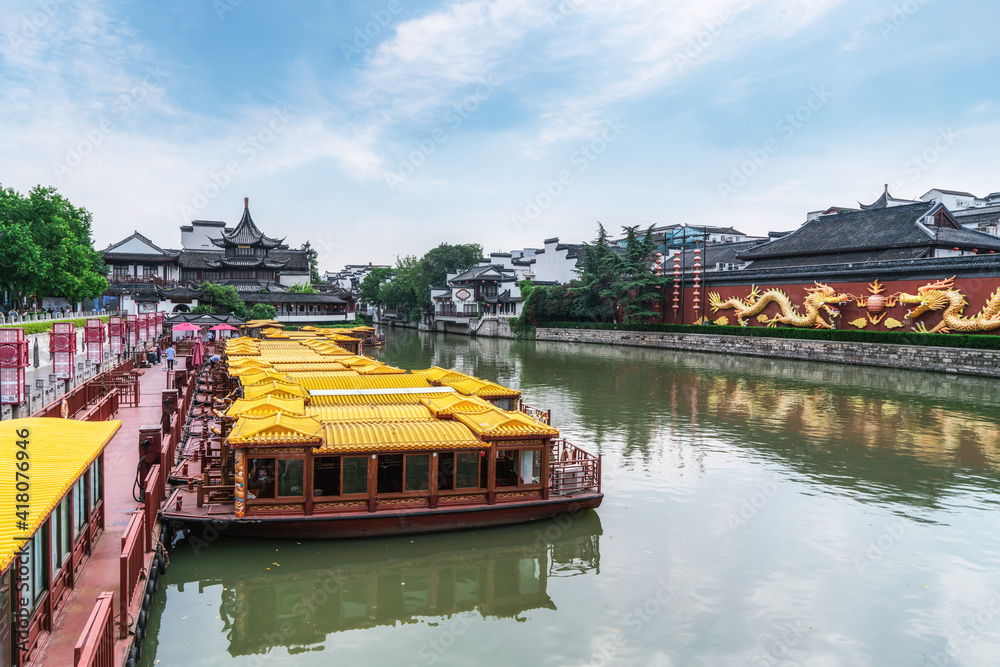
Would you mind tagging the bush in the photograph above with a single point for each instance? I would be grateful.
(975, 341)
(43, 327)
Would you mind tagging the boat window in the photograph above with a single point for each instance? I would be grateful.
(446, 471)
(390, 473)
(5, 644)
(31, 564)
(326, 476)
(355, 474)
(62, 535)
(290, 477)
(80, 514)
(467, 470)
(518, 467)
(260, 481)
(95, 482)
(417, 471)
(507, 467)
(531, 466)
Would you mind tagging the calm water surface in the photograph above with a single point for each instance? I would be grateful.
(757, 512)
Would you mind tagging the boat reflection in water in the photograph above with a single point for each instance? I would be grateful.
(499, 573)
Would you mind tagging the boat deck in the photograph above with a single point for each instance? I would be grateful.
(100, 572)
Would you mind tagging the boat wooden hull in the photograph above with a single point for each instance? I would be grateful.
(384, 522)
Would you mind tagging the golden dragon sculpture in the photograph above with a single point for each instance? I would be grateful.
(820, 296)
(943, 295)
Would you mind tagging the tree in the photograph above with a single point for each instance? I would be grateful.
(48, 248)
(597, 271)
(313, 262)
(371, 286)
(302, 288)
(220, 299)
(262, 311)
(636, 287)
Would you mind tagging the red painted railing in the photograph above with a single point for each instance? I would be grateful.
(154, 490)
(96, 645)
(83, 396)
(130, 567)
(544, 416)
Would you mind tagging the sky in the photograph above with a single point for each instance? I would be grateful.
(383, 128)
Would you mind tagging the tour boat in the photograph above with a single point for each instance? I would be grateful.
(313, 441)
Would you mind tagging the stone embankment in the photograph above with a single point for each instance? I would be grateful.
(984, 363)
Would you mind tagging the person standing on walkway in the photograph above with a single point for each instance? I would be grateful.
(170, 357)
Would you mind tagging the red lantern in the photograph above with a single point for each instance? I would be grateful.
(13, 361)
(62, 347)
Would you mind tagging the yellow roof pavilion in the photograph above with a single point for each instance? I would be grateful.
(264, 375)
(328, 381)
(275, 389)
(276, 429)
(345, 438)
(483, 388)
(359, 398)
(369, 413)
(447, 405)
(436, 374)
(58, 452)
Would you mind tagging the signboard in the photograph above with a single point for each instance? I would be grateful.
(62, 347)
(13, 360)
(116, 334)
(93, 341)
(463, 294)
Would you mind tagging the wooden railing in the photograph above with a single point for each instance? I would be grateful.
(544, 416)
(155, 488)
(130, 567)
(104, 409)
(96, 645)
(573, 469)
(80, 398)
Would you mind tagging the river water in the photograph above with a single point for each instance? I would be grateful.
(757, 512)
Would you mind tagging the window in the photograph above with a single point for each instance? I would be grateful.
(335, 475)
(260, 481)
(61, 522)
(270, 478)
(80, 513)
(95, 483)
(290, 477)
(391, 468)
(458, 470)
(31, 564)
(519, 467)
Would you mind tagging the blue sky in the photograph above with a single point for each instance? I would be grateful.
(382, 128)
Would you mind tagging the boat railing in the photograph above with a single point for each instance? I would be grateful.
(573, 469)
(130, 567)
(155, 490)
(544, 416)
(96, 645)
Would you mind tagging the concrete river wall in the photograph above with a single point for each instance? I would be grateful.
(960, 361)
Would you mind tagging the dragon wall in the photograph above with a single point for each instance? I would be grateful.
(860, 311)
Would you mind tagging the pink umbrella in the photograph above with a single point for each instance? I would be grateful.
(223, 327)
(187, 326)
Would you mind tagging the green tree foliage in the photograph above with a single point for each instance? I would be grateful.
(313, 262)
(371, 286)
(302, 288)
(47, 248)
(408, 288)
(635, 287)
(262, 311)
(220, 300)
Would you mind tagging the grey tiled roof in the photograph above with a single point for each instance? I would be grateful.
(246, 233)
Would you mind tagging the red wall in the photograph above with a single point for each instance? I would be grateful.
(977, 292)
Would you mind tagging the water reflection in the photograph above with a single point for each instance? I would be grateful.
(500, 573)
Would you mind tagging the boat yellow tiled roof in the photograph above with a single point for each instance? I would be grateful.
(357, 360)
(253, 324)
(369, 413)
(264, 375)
(377, 369)
(342, 438)
(345, 381)
(436, 375)
(275, 389)
(499, 423)
(446, 405)
(483, 388)
(276, 429)
(266, 405)
(310, 366)
(246, 364)
(370, 399)
(58, 452)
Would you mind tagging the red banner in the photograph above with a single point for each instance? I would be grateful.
(13, 360)
(160, 317)
(62, 347)
(93, 336)
(116, 334)
(132, 328)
